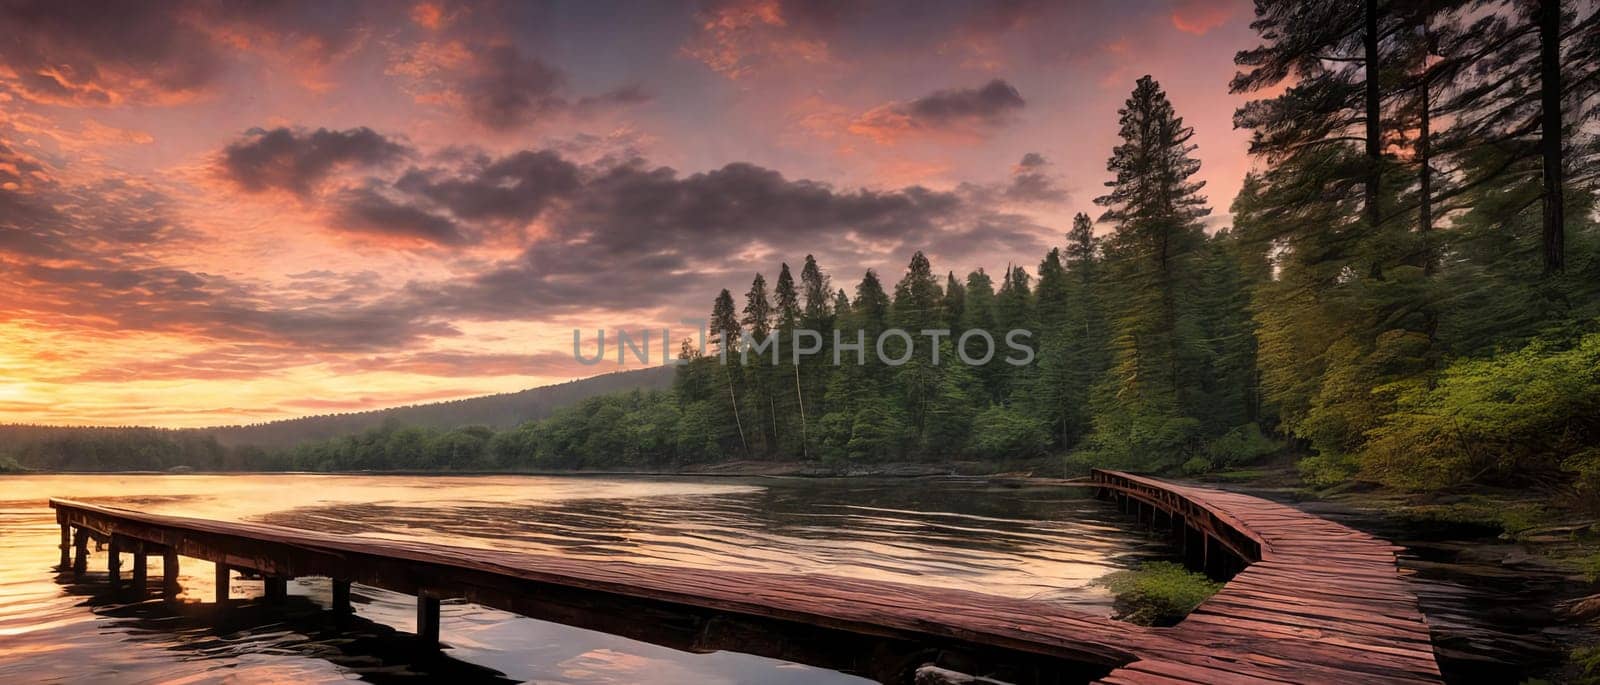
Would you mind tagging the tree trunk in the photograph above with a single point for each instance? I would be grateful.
(801, 398)
(1425, 177)
(1374, 141)
(1554, 237)
(735, 400)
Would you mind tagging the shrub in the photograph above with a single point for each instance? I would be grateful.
(1525, 414)
(1004, 432)
(1324, 470)
(1158, 592)
(1243, 445)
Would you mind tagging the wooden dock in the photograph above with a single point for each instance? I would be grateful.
(1308, 600)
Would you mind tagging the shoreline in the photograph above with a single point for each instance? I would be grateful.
(1020, 472)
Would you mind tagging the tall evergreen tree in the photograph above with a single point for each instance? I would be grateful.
(1156, 208)
(954, 303)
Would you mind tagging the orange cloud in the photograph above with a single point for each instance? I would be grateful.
(738, 38)
(1200, 16)
(430, 16)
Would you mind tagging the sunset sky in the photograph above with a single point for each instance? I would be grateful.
(217, 212)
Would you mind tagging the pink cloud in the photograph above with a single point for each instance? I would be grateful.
(1200, 16)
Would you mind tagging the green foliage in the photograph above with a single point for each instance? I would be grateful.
(1519, 415)
(1586, 660)
(1007, 433)
(1243, 445)
(1589, 564)
(1158, 593)
(1324, 470)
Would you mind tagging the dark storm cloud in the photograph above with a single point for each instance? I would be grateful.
(962, 111)
(614, 236)
(636, 236)
(992, 104)
(1031, 183)
(297, 160)
(516, 187)
(508, 89)
(715, 212)
(512, 89)
(365, 210)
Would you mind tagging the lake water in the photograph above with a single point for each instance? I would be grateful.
(1040, 542)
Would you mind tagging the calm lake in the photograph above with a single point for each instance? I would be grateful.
(1040, 542)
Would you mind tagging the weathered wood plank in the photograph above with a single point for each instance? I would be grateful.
(1314, 602)
(1318, 602)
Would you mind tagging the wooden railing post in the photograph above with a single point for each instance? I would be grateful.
(224, 579)
(428, 619)
(341, 596)
(80, 544)
(66, 547)
(114, 563)
(169, 574)
(276, 589)
(141, 568)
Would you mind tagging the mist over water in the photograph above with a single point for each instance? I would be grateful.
(1039, 542)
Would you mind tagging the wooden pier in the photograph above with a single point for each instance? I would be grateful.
(1308, 601)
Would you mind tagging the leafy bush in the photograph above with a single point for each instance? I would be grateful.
(1325, 470)
(1586, 660)
(1243, 445)
(1531, 413)
(1196, 466)
(1158, 592)
(1004, 432)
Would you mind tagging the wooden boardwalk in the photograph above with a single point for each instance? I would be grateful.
(1314, 602)
(1318, 602)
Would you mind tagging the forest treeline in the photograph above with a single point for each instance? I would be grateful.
(238, 447)
(1406, 292)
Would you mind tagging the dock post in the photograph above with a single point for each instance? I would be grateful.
(341, 596)
(224, 578)
(169, 574)
(66, 547)
(80, 544)
(114, 563)
(428, 619)
(1213, 558)
(276, 589)
(141, 569)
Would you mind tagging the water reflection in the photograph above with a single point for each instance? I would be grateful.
(1044, 543)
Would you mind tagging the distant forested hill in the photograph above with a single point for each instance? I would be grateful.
(495, 411)
(143, 448)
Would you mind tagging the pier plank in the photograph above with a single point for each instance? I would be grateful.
(1310, 600)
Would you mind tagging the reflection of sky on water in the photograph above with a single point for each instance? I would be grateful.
(1043, 543)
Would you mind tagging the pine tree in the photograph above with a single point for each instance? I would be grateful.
(759, 372)
(1151, 391)
(818, 294)
(1334, 54)
(758, 309)
(726, 331)
(915, 309)
(954, 304)
(979, 313)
